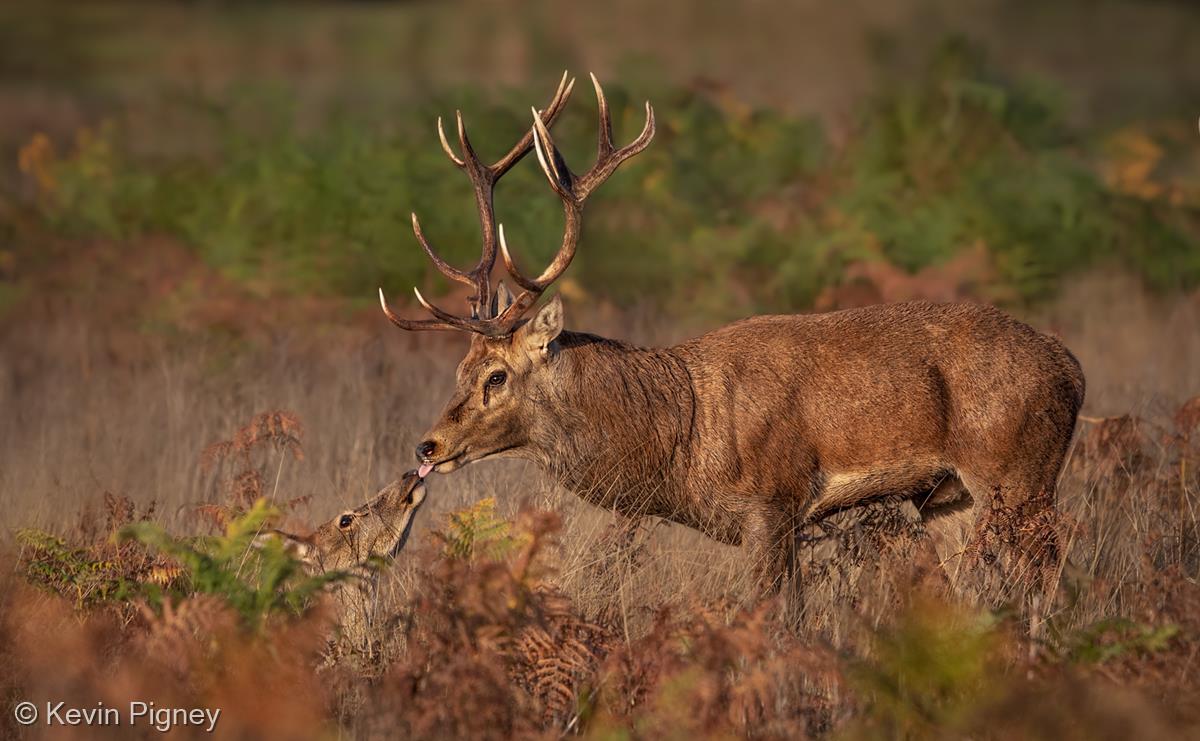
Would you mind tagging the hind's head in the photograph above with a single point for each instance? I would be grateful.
(377, 529)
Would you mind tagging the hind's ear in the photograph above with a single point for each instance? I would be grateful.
(296, 546)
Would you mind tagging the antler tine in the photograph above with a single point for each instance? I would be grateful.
(574, 189)
(607, 163)
(548, 115)
(444, 316)
(605, 145)
(579, 187)
(565, 86)
(511, 266)
(411, 324)
(483, 183)
(468, 152)
(553, 165)
(572, 213)
(446, 268)
(446, 146)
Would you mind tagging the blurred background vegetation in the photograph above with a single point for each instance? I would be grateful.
(807, 155)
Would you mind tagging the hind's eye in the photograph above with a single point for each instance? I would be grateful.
(497, 379)
(346, 521)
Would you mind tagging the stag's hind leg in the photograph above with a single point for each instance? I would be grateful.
(1007, 541)
(949, 514)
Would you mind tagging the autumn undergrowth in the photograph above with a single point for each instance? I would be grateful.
(486, 640)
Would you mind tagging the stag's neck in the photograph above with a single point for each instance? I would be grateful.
(621, 423)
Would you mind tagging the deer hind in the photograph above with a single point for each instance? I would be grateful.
(356, 538)
(356, 542)
(756, 428)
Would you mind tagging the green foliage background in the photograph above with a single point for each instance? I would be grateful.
(733, 209)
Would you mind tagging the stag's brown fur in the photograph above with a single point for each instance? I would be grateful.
(749, 430)
(755, 428)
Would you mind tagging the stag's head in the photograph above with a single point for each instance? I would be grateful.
(377, 529)
(511, 363)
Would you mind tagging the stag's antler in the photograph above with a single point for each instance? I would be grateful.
(573, 189)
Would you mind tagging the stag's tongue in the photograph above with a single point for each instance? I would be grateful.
(424, 470)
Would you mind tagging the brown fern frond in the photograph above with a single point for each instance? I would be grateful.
(1113, 444)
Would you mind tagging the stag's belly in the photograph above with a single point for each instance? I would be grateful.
(840, 489)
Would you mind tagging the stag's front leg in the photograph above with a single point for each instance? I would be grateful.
(769, 539)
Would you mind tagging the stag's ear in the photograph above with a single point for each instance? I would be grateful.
(537, 334)
(502, 299)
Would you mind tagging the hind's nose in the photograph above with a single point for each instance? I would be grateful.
(426, 450)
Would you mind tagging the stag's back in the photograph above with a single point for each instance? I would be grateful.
(892, 391)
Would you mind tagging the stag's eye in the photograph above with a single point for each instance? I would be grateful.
(497, 379)
(346, 521)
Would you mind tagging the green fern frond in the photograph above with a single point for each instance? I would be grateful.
(256, 580)
(478, 531)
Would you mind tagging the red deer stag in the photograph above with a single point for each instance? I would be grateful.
(756, 428)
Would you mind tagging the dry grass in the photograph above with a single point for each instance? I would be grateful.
(586, 623)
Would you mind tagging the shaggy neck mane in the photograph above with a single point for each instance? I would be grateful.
(627, 413)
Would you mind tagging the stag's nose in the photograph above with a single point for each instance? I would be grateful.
(426, 450)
